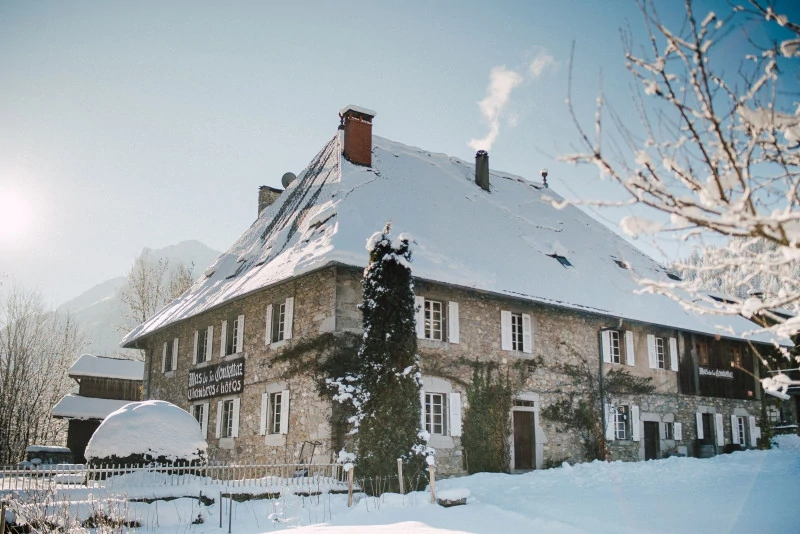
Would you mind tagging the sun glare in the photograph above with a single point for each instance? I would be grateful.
(15, 216)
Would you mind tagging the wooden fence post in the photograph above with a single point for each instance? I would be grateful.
(400, 476)
(433, 483)
(350, 487)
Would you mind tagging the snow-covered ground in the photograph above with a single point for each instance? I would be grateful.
(751, 491)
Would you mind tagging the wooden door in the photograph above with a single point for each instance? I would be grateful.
(651, 440)
(523, 440)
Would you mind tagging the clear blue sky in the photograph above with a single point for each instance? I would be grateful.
(133, 124)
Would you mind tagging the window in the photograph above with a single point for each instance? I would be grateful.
(279, 321)
(233, 330)
(201, 349)
(434, 320)
(561, 259)
(435, 410)
(615, 346)
(197, 412)
(739, 432)
(275, 412)
(669, 430)
(516, 331)
(736, 357)
(661, 362)
(619, 416)
(167, 356)
(701, 348)
(227, 419)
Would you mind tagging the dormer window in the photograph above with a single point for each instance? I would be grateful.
(561, 259)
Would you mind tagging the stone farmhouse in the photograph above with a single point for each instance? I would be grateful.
(500, 276)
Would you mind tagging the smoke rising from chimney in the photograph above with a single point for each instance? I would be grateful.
(501, 82)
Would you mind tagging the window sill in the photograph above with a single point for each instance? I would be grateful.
(275, 440)
(433, 343)
(437, 441)
(520, 354)
(232, 356)
(200, 365)
(169, 374)
(277, 344)
(226, 443)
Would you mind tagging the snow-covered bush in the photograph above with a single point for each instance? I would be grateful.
(384, 387)
(147, 432)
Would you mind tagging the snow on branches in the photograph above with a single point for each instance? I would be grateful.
(718, 153)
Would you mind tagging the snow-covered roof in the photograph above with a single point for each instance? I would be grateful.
(100, 366)
(510, 241)
(77, 407)
(46, 448)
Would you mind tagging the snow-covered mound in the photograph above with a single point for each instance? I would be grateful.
(156, 430)
(788, 443)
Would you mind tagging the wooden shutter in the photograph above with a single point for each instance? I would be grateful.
(268, 334)
(673, 354)
(677, 430)
(235, 426)
(629, 358)
(219, 419)
(285, 411)
(419, 316)
(264, 412)
(505, 330)
(719, 429)
(610, 434)
(164, 359)
(735, 431)
(240, 334)
(753, 434)
(194, 352)
(223, 339)
(527, 334)
(210, 343)
(662, 430)
(454, 402)
(651, 351)
(452, 322)
(175, 353)
(605, 337)
(204, 425)
(635, 434)
(699, 418)
(289, 318)
(423, 427)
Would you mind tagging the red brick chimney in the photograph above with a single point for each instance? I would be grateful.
(357, 126)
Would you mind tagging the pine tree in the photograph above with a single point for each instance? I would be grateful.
(386, 387)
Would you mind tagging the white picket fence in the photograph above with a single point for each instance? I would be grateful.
(257, 476)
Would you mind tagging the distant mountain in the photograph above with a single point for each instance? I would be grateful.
(98, 311)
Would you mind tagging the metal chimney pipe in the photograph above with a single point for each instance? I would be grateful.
(482, 169)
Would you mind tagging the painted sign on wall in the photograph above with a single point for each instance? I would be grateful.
(216, 380)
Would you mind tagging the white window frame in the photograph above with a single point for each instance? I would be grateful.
(274, 417)
(615, 346)
(661, 353)
(429, 314)
(517, 333)
(203, 419)
(669, 430)
(620, 422)
(201, 345)
(431, 425)
(226, 430)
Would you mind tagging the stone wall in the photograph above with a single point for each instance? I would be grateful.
(314, 306)
(327, 300)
